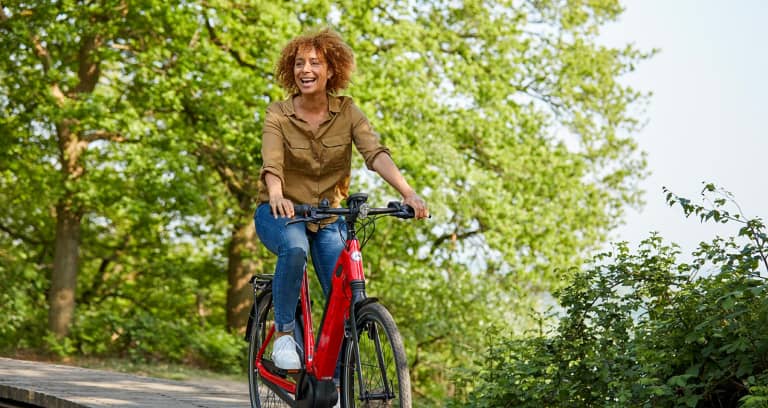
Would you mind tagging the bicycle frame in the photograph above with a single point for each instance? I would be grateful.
(347, 281)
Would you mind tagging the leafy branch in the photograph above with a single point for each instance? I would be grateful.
(717, 199)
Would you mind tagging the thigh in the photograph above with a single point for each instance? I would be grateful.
(277, 236)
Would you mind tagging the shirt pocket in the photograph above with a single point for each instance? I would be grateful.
(337, 150)
(298, 152)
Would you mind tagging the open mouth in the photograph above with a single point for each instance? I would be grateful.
(307, 81)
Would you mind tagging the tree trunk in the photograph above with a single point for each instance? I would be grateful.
(65, 264)
(242, 265)
(66, 254)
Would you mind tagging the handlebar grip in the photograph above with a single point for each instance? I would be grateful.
(302, 210)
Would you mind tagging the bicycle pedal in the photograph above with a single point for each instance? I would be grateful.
(272, 368)
(295, 374)
(280, 372)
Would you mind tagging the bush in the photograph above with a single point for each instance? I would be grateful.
(644, 330)
(220, 350)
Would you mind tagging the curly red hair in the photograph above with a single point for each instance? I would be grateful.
(338, 55)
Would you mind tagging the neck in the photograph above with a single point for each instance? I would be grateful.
(313, 102)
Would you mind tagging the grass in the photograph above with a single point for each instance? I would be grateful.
(169, 371)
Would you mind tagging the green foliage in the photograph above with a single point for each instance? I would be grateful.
(150, 279)
(220, 350)
(642, 329)
(757, 396)
(23, 292)
(509, 117)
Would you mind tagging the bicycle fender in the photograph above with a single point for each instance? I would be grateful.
(262, 286)
(251, 316)
(363, 302)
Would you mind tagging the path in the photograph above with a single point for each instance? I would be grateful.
(59, 386)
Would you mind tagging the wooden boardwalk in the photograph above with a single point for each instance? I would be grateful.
(59, 386)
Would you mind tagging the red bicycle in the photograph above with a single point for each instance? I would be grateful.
(373, 366)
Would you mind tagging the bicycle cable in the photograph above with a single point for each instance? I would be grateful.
(368, 228)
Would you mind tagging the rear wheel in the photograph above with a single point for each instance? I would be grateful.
(381, 378)
(261, 395)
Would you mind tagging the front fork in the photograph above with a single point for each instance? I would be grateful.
(360, 300)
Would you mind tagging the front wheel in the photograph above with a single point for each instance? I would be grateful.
(375, 370)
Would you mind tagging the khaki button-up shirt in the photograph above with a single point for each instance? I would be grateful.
(315, 164)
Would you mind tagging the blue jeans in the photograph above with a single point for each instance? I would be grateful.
(291, 244)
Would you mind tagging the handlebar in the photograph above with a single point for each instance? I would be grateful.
(308, 213)
(356, 209)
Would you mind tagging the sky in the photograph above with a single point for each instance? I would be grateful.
(707, 119)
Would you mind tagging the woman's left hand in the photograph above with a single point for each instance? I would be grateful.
(418, 204)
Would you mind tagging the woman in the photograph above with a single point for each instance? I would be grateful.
(306, 149)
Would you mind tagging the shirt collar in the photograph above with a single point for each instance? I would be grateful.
(334, 105)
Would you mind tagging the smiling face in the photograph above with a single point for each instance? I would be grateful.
(327, 46)
(310, 71)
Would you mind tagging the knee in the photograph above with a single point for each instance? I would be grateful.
(295, 256)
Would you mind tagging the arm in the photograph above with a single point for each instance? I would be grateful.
(281, 206)
(272, 169)
(377, 158)
(387, 169)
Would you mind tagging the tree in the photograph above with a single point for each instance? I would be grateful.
(49, 100)
(513, 120)
(117, 73)
(236, 60)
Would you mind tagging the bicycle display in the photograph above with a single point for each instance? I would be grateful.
(357, 335)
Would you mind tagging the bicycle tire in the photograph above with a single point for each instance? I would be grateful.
(373, 322)
(260, 395)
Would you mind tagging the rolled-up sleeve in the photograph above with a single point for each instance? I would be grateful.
(272, 149)
(366, 139)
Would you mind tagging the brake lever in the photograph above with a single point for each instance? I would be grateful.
(313, 218)
(298, 220)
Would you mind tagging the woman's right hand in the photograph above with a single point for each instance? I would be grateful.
(281, 207)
